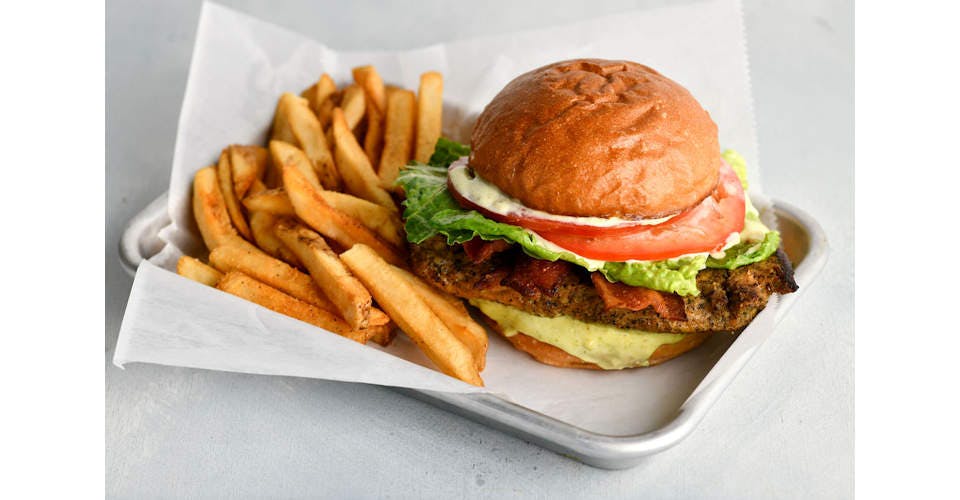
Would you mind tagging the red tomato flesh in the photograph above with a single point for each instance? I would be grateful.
(703, 228)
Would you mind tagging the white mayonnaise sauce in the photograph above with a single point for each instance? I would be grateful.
(489, 196)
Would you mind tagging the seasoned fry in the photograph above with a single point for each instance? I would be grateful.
(257, 186)
(319, 92)
(248, 288)
(384, 221)
(225, 178)
(454, 314)
(247, 164)
(369, 79)
(261, 224)
(309, 137)
(274, 201)
(398, 136)
(355, 168)
(383, 335)
(271, 271)
(354, 106)
(399, 299)
(211, 213)
(281, 130)
(334, 224)
(382, 329)
(429, 114)
(188, 267)
(373, 138)
(353, 301)
(323, 114)
(285, 154)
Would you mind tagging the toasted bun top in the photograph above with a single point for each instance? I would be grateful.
(592, 137)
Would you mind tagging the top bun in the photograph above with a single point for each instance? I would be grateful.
(592, 137)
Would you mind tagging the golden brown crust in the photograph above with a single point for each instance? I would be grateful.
(593, 137)
(554, 356)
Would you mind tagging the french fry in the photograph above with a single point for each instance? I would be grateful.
(334, 224)
(319, 92)
(247, 164)
(373, 139)
(454, 314)
(369, 79)
(398, 135)
(399, 299)
(274, 201)
(210, 212)
(248, 288)
(385, 222)
(383, 334)
(379, 318)
(261, 224)
(376, 110)
(281, 130)
(225, 178)
(353, 301)
(355, 168)
(257, 186)
(323, 114)
(285, 154)
(354, 106)
(188, 267)
(429, 115)
(308, 132)
(271, 271)
(382, 329)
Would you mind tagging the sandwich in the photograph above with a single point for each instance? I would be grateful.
(593, 220)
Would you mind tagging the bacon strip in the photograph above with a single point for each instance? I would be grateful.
(635, 298)
(532, 277)
(479, 250)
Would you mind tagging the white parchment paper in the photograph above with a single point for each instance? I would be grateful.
(241, 66)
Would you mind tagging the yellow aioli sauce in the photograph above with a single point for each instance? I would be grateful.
(607, 346)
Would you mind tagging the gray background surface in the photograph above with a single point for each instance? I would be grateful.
(784, 428)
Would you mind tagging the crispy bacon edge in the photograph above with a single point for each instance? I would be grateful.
(532, 276)
(635, 298)
(479, 250)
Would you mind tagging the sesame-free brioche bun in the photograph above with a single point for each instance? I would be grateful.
(600, 138)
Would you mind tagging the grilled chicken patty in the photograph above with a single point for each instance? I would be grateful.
(728, 300)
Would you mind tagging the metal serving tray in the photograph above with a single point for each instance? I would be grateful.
(803, 240)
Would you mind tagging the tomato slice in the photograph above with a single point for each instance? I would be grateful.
(703, 228)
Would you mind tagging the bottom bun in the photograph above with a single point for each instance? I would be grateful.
(554, 356)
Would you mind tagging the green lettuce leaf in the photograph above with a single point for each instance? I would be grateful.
(430, 209)
(447, 152)
(738, 164)
(748, 252)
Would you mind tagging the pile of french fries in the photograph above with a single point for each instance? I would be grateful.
(309, 226)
